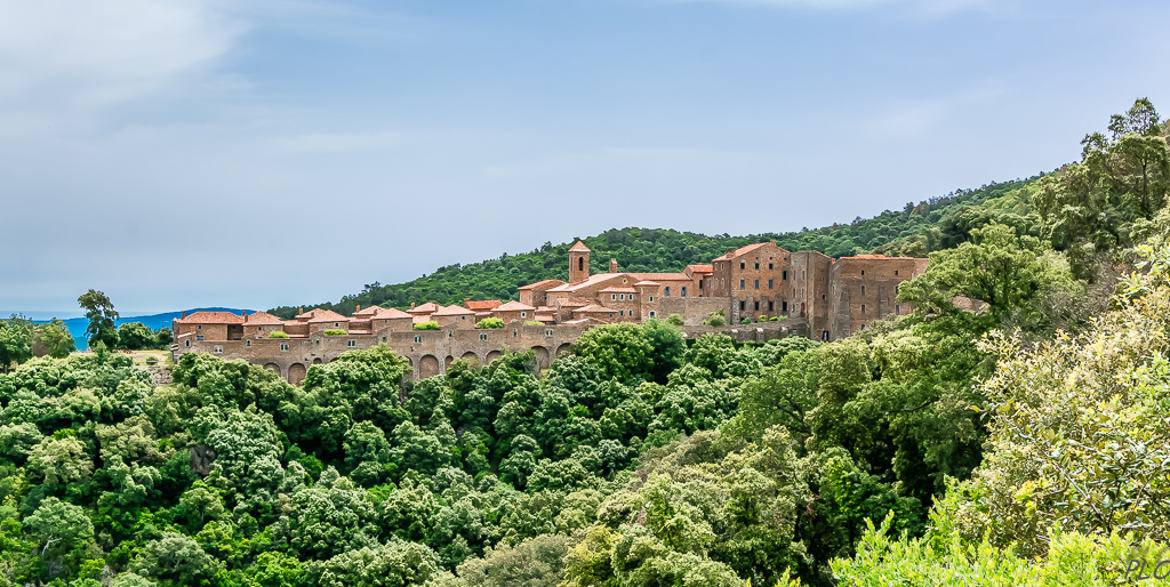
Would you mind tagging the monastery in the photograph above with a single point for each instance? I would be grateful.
(762, 290)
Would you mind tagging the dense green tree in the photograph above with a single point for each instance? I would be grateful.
(15, 343)
(135, 336)
(53, 339)
(101, 314)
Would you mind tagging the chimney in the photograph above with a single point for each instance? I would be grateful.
(183, 315)
(613, 265)
(466, 301)
(300, 310)
(411, 305)
(358, 308)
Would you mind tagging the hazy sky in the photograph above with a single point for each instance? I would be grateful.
(249, 154)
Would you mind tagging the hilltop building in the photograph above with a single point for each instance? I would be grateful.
(815, 294)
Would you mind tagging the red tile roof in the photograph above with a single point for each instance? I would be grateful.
(661, 276)
(647, 283)
(366, 311)
(318, 315)
(453, 311)
(514, 307)
(545, 284)
(482, 304)
(701, 268)
(389, 314)
(619, 290)
(579, 247)
(880, 257)
(743, 251)
(262, 318)
(427, 308)
(212, 318)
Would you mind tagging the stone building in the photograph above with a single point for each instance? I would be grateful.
(762, 290)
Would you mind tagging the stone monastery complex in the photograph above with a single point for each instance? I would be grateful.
(814, 294)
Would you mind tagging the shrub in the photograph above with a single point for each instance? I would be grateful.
(278, 334)
(675, 320)
(533, 323)
(762, 318)
(782, 317)
(746, 321)
(491, 322)
(335, 332)
(151, 360)
(428, 325)
(715, 319)
(774, 318)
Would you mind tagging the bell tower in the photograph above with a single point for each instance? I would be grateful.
(578, 263)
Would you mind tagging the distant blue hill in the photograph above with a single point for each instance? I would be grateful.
(77, 326)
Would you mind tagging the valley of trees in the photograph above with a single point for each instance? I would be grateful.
(1025, 444)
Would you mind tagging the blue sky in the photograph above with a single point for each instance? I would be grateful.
(256, 153)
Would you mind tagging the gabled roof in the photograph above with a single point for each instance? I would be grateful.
(366, 311)
(594, 308)
(647, 283)
(661, 276)
(389, 314)
(592, 280)
(427, 308)
(700, 269)
(453, 311)
(743, 251)
(514, 307)
(579, 247)
(206, 317)
(883, 257)
(539, 285)
(322, 315)
(262, 318)
(480, 305)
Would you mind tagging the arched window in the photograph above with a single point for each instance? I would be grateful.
(580, 263)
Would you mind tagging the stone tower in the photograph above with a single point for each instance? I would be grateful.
(578, 263)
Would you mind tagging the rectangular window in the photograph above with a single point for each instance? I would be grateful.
(684, 291)
(284, 347)
(742, 265)
(769, 284)
(199, 327)
(783, 306)
(757, 306)
(483, 336)
(622, 312)
(666, 292)
(653, 314)
(862, 308)
(757, 264)
(351, 343)
(863, 275)
(757, 284)
(248, 343)
(612, 297)
(895, 273)
(784, 275)
(741, 284)
(199, 337)
(741, 306)
(651, 298)
(317, 341)
(769, 265)
(863, 290)
(187, 343)
(219, 349)
(771, 306)
(548, 332)
(418, 339)
(897, 309)
(383, 339)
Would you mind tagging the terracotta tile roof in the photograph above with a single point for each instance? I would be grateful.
(545, 309)
(743, 251)
(880, 257)
(427, 308)
(480, 305)
(453, 311)
(661, 276)
(366, 311)
(514, 307)
(212, 318)
(646, 283)
(594, 308)
(389, 314)
(591, 281)
(545, 284)
(319, 315)
(701, 268)
(579, 247)
(262, 318)
(619, 290)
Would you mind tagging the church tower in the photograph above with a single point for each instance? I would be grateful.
(578, 263)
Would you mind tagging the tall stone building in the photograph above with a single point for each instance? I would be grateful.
(776, 291)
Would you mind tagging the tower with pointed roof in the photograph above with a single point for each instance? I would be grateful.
(578, 262)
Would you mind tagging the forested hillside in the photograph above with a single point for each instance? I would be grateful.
(1022, 445)
(917, 229)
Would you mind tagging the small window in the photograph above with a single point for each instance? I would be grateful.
(548, 332)
(784, 275)
(757, 305)
(335, 325)
(756, 284)
(284, 347)
(757, 264)
(523, 314)
(187, 343)
(199, 337)
(742, 284)
(351, 343)
(862, 308)
(383, 339)
(248, 343)
(622, 312)
(612, 297)
(741, 305)
(666, 292)
(418, 339)
(825, 335)
(515, 332)
(863, 325)
(653, 314)
(769, 284)
(483, 336)
(684, 291)
(897, 309)
(863, 290)
(822, 297)
(651, 298)
(784, 306)
(742, 265)
(769, 265)
(895, 273)
(771, 306)
(199, 327)
(863, 275)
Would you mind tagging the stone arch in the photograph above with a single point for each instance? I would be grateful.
(541, 356)
(492, 356)
(471, 358)
(447, 362)
(296, 373)
(317, 361)
(428, 366)
(273, 367)
(564, 349)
